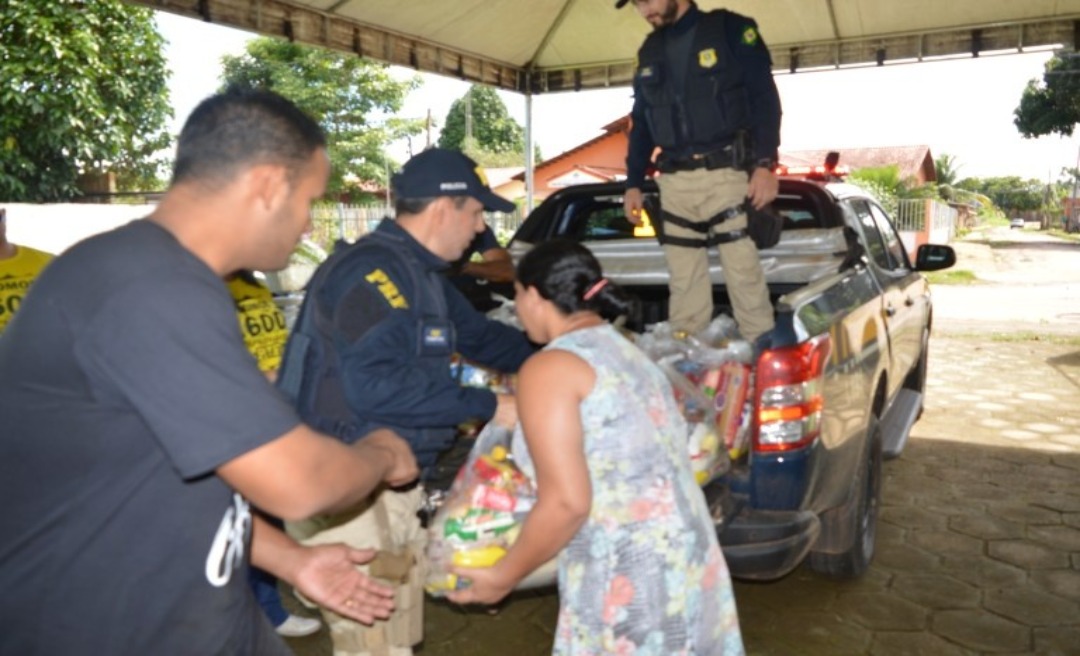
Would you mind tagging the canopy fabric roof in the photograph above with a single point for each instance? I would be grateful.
(537, 46)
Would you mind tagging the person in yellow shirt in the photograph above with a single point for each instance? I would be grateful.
(262, 323)
(19, 266)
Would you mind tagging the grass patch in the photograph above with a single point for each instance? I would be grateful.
(1061, 234)
(951, 277)
(1017, 337)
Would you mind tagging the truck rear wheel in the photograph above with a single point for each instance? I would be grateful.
(854, 561)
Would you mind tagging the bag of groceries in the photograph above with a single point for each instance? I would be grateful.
(710, 377)
(482, 513)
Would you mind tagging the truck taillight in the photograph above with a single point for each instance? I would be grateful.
(788, 390)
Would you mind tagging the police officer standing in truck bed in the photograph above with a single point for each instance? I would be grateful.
(704, 94)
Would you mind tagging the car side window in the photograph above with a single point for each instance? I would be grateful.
(893, 244)
(798, 211)
(875, 244)
(604, 221)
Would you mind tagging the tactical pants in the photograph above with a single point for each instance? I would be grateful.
(697, 196)
(388, 523)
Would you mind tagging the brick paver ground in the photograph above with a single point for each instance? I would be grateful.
(978, 544)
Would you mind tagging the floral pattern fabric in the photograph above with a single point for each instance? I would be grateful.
(645, 575)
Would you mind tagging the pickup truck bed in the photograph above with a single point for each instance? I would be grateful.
(853, 319)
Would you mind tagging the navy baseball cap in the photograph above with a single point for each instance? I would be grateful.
(441, 172)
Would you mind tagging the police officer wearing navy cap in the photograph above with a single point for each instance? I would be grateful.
(704, 94)
(372, 346)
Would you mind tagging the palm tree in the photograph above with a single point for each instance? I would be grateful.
(946, 169)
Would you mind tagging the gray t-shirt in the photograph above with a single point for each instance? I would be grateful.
(124, 384)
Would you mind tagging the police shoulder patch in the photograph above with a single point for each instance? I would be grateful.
(749, 35)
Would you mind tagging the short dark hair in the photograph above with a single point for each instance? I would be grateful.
(562, 271)
(418, 205)
(241, 128)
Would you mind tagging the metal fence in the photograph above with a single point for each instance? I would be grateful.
(331, 223)
(910, 214)
(926, 215)
(943, 221)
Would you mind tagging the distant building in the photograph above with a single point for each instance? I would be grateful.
(912, 161)
(603, 159)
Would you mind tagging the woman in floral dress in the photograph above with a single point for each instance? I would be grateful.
(640, 570)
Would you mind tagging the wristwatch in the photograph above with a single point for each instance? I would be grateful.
(765, 163)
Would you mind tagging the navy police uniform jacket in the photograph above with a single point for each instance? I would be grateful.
(697, 84)
(372, 346)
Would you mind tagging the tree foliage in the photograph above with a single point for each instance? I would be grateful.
(946, 169)
(1012, 194)
(83, 87)
(479, 125)
(352, 98)
(1051, 105)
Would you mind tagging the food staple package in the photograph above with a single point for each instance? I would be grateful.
(481, 515)
(711, 377)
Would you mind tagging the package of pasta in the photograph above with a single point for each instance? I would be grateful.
(482, 513)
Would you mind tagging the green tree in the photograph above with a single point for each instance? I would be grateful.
(352, 98)
(1051, 105)
(1011, 193)
(83, 89)
(479, 125)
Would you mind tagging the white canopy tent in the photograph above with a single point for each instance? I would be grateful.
(539, 46)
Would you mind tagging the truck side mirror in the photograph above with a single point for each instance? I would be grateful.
(934, 257)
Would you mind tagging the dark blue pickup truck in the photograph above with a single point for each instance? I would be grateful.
(838, 392)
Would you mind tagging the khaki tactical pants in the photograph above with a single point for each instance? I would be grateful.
(388, 523)
(697, 196)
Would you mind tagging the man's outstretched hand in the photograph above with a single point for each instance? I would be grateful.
(328, 577)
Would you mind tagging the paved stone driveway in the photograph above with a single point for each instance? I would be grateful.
(978, 545)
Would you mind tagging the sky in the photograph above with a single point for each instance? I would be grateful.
(963, 108)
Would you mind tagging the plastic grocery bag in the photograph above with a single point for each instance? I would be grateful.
(482, 513)
(710, 376)
(707, 457)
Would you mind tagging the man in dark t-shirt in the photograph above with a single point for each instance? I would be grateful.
(137, 427)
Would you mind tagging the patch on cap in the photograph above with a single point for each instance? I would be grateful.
(483, 176)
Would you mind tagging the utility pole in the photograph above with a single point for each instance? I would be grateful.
(427, 129)
(1071, 214)
(468, 116)
(386, 164)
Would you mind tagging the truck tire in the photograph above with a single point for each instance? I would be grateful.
(854, 561)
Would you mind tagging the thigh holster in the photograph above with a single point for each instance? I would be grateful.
(704, 228)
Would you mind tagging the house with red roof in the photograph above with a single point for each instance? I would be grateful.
(603, 159)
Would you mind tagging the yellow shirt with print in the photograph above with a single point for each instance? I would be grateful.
(16, 274)
(261, 321)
